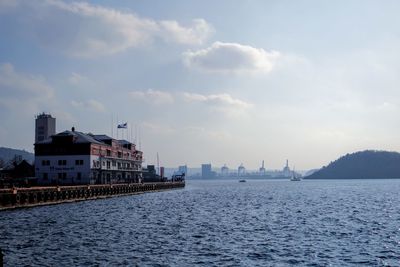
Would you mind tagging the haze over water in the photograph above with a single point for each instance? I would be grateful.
(215, 223)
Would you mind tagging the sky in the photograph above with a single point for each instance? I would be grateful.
(221, 82)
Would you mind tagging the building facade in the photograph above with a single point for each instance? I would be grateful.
(73, 157)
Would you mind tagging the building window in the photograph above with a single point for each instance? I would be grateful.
(108, 153)
(62, 162)
(62, 175)
(119, 165)
(104, 163)
(119, 154)
(45, 162)
(108, 164)
(114, 163)
(78, 175)
(45, 176)
(79, 162)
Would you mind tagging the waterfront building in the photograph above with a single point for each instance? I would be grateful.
(206, 171)
(286, 170)
(241, 170)
(262, 169)
(224, 170)
(73, 157)
(45, 126)
(150, 174)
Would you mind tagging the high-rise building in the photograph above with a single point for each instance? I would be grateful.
(206, 171)
(45, 127)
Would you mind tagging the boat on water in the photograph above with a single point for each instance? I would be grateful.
(242, 181)
(295, 177)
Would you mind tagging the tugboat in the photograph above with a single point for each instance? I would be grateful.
(242, 181)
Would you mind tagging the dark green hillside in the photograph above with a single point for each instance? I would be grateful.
(367, 164)
(8, 154)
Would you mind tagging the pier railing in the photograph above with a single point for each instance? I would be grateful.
(36, 196)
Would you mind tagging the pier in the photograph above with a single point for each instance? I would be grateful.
(12, 198)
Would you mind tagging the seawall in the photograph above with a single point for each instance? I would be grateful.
(37, 196)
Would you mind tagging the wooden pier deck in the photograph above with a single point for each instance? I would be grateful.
(36, 196)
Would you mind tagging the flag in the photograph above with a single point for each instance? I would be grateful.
(123, 125)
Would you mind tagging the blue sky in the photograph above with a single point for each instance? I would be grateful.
(207, 81)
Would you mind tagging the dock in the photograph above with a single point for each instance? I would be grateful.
(12, 198)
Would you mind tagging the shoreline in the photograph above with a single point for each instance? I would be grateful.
(15, 198)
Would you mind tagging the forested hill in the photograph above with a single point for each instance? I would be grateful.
(7, 154)
(367, 164)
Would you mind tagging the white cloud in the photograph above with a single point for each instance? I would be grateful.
(91, 104)
(23, 91)
(22, 84)
(231, 57)
(196, 34)
(217, 99)
(93, 30)
(158, 128)
(79, 79)
(152, 96)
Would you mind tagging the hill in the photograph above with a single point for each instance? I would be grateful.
(8, 154)
(367, 164)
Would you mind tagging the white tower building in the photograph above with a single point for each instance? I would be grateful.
(45, 127)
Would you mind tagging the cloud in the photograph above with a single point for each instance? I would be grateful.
(158, 128)
(231, 57)
(23, 91)
(196, 34)
(217, 100)
(89, 30)
(8, 4)
(152, 96)
(91, 104)
(79, 79)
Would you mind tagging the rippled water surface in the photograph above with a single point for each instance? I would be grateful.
(215, 223)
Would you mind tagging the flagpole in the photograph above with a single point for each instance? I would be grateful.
(117, 126)
(112, 125)
(136, 142)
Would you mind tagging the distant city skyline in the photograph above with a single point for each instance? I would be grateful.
(226, 82)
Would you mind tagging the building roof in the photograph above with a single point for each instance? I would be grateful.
(79, 138)
(101, 137)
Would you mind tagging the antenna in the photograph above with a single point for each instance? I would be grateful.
(158, 164)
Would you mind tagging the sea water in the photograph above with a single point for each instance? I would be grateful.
(215, 223)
